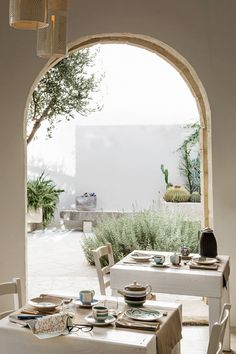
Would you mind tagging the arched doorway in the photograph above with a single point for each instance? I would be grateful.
(194, 84)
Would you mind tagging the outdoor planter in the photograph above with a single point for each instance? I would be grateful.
(191, 210)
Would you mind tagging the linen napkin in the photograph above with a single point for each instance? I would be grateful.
(126, 322)
(50, 326)
(194, 265)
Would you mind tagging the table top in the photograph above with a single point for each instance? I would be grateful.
(173, 279)
(15, 338)
(125, 263)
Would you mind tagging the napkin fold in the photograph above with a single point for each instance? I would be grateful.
(126, 322)
(194, 265)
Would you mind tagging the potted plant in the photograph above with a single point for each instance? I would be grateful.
(42, 197)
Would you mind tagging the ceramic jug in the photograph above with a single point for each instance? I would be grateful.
(175, 259)
(207, 243)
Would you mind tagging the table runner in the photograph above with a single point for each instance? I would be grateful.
(168, 334)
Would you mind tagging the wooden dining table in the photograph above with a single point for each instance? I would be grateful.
(15, 339)
(181, 280)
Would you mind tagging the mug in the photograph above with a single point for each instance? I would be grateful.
(159, 259)
(100, 313)
(175, 259)
(86, 296)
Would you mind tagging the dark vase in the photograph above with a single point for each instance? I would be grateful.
(207, 243)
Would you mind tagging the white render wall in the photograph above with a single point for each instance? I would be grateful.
(203, 32)
(121, 164)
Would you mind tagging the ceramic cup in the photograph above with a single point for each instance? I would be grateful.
(100, 313)
(86, 296)
(159, 259)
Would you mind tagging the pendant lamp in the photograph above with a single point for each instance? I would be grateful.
(28, 14)
(52, 40)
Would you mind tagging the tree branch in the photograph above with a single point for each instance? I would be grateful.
(39, 121)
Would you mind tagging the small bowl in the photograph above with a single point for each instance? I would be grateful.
(135, 299)
(45, 303)
(159, 259)
(135, 303)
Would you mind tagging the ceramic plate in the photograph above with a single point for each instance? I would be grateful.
(90, 319)
(205, 260)
(45, 302)
(78, 302)
(164, 265)
(140, 256)
(143, 314)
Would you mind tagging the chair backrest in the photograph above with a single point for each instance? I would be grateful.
(14, 288)
(218, 331)
(102, 271)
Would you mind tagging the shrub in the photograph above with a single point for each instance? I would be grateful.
(43, 193)
(146, 230)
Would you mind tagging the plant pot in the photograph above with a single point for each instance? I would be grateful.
(34, 216)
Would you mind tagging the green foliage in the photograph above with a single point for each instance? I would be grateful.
(195, 197)
(42, 193)
(146, 230)
(176, 194)
(189, 165)
(65, 89)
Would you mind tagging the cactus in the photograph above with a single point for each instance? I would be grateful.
(166, 176)
(176, 194)
(195, 197)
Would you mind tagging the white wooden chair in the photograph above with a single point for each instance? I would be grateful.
(14, 288)
(102, 272)
(215, 345)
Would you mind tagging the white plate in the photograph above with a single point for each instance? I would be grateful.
(164, 265)
(140, 256)
(90, 319)
(143, 314)
(81, 304)
(205, 260)
(45, 302)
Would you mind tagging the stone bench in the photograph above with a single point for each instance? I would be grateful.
(85, 220)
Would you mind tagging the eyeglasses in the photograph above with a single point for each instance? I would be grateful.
(77, 327)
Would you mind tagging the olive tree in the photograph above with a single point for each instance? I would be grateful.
(66, 89)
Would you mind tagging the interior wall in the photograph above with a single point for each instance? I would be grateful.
(202, 32)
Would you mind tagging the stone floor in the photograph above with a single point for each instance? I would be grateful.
(56, 265)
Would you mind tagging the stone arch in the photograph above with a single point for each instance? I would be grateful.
(194, 83)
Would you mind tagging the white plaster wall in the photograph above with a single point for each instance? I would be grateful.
(120, 163)
(203, 32)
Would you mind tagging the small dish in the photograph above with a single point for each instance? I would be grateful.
(90, 319)
(45, 303)
(81, 304)
(164, 265)
(143, 314)
(205, 260)
(140, 256)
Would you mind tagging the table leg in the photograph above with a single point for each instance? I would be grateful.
(226, 299)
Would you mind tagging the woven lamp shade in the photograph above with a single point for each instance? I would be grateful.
(28, 14)
(52, 41)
